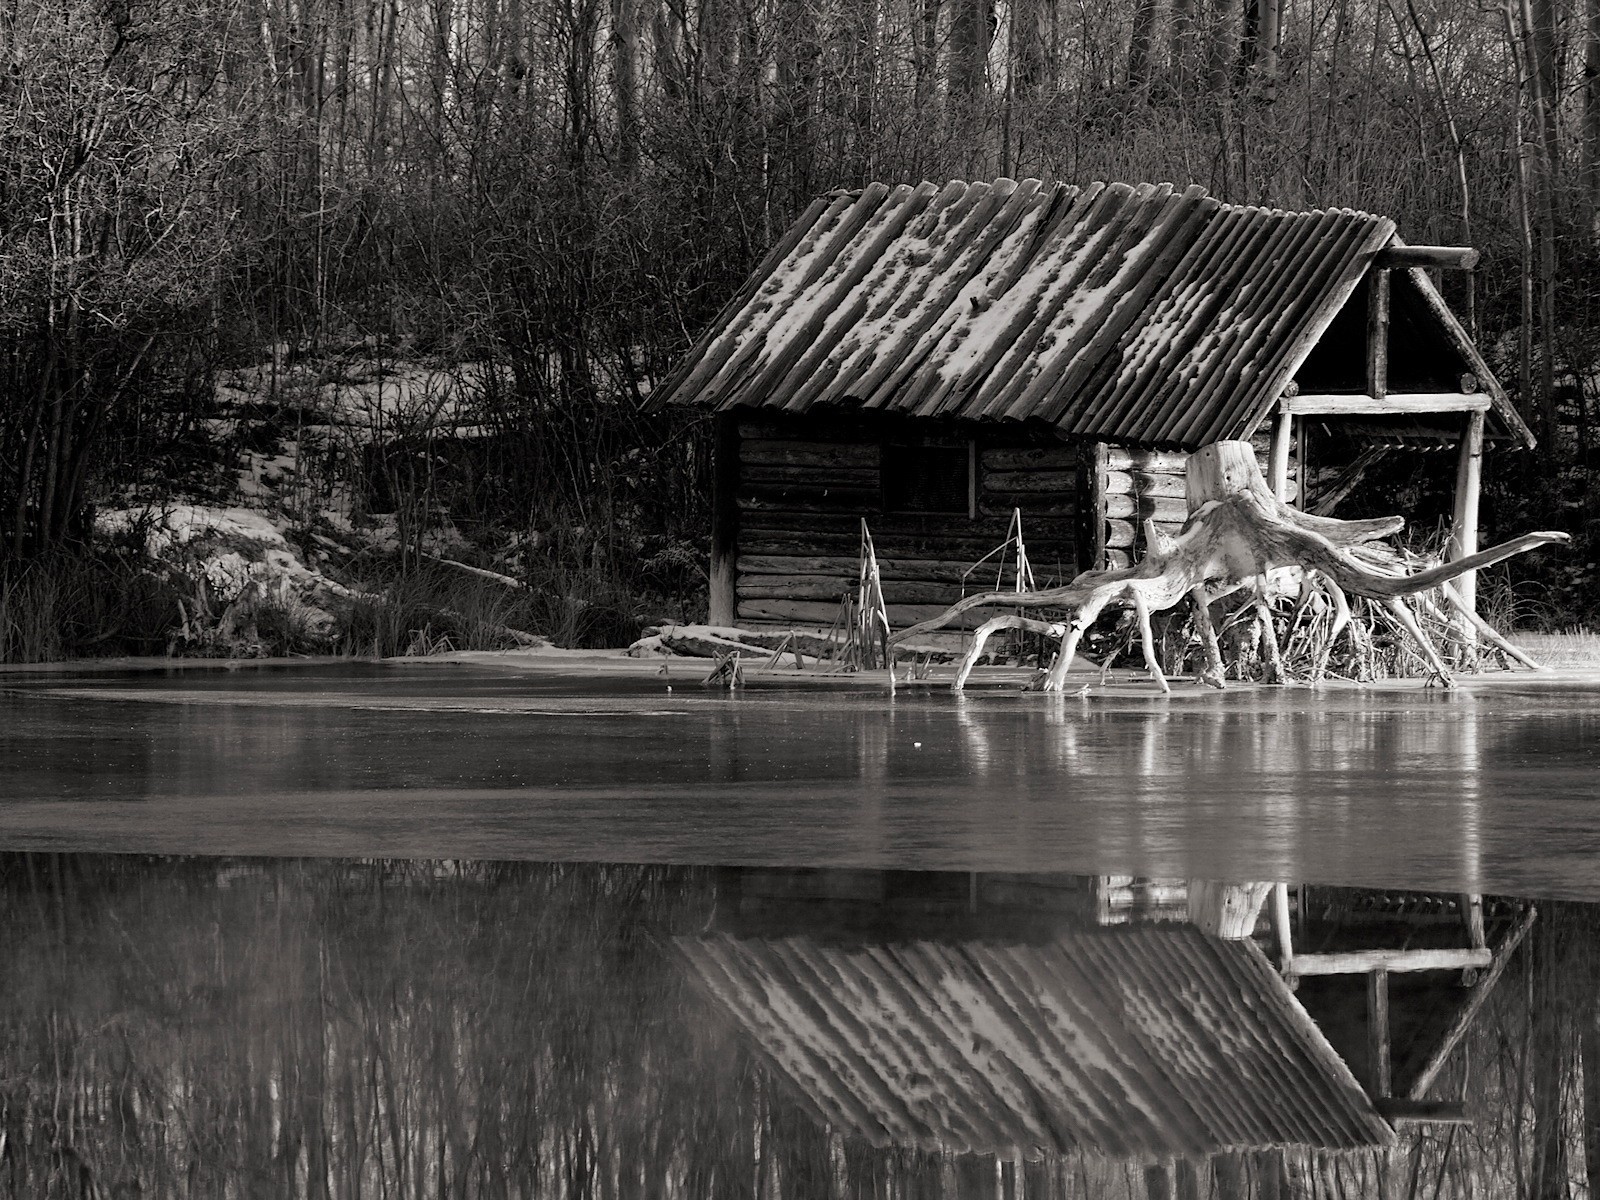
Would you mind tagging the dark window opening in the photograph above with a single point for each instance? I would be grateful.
(927, 479)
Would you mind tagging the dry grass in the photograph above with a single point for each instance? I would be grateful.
(1574, 650)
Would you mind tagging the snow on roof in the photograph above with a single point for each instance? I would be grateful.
(1141, 313)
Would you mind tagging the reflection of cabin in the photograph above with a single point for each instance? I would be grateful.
(1029, 1017)
(931, 358)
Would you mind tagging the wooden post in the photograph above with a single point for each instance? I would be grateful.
(1092, 523)
(1378, 1056)
(1378, 332)
(722, 601)
(1280, 925)
(1282, 439)
(1464, 524)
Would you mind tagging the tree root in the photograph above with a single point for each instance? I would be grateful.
(1236, 533)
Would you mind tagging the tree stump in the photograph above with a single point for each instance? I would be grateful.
(1237, 533)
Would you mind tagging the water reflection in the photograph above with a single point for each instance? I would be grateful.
(355, 1028)
(1464, 791)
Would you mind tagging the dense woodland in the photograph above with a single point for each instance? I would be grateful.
(562, 193)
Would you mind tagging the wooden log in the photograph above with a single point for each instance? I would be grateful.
(773, 452)
(1050, 555)
(1226, 910)
(1160, 508)
(1031, 481)
(1282, 440)
(820, 615)
(1032, 504)
(834, 588)
(1393, 405)
(1119, 483)
(1092, 520)
(1399, 1111)
(1120, 533)
(1468, 1012)
(724, 521)
(1464, 520)
(1378, 332)
(1121, 458)
(1284, 932)
(1379, 1054)
(1357, 962)
(1146, 484)
(1030, 458)
(773, 477)
(1447, 258)
(928, 570)
(852, 500)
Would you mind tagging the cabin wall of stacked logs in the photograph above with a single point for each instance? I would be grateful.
(1138, 485)
(804, 486)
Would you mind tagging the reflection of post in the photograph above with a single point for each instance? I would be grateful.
(1226, 910)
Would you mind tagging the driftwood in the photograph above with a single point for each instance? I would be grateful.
(1237, 532)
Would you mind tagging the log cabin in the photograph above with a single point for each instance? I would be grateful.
(935, 359)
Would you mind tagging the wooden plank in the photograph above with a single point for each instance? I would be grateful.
(1059, 457)
(1378, 332)
(724, 521)
(1400, 1111)
(1358, 962)
(1464, 520)
(1445, 258)
(1475, 1002)
(1379, 1057)
(1408, 404)
(778, 452)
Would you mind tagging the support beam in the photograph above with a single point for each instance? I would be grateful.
(1379, 1056)
(1448, 258)
(1378, 332)
(722, 602)
(1359, 962)
(1282, 439)
(1475, 1002)
(1464, 522)
(1405, 404)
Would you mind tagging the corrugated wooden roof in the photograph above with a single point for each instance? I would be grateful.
(1140, 314)
(1135, 1042)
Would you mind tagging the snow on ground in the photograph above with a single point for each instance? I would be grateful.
(242, 556)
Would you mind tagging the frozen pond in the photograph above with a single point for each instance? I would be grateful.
(1493, 786)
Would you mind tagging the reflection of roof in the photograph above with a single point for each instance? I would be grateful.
(1137, 1042)
(1130, 313)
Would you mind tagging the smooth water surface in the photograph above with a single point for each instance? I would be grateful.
(1493, 786)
